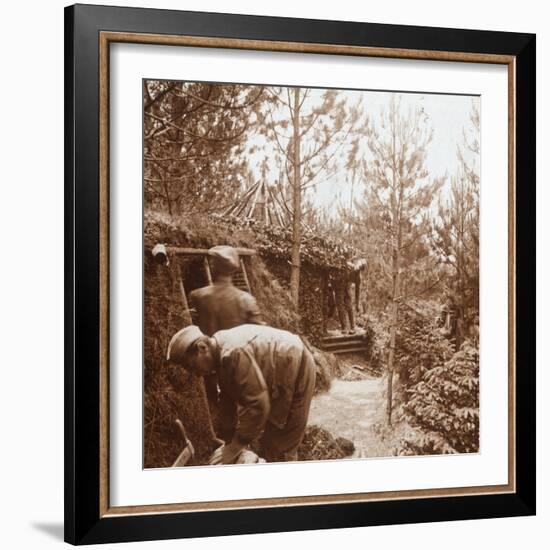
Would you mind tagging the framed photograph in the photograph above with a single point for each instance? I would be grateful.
(300, 274)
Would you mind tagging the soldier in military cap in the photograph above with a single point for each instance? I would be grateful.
(267, 378)
(222, 305)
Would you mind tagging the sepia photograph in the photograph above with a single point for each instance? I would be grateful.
(299, 273)
(311, 273)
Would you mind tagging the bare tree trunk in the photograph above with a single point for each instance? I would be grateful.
(324, 301)
(393, 330)
(297, 204)
(396, 201)
(350, 224)
(460, 299)
(166, 190)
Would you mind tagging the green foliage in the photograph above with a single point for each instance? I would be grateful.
(327, 366)
(322, 120)
(444, 405)
(394, 209)
(420, 344)
(275, 242)
(455, 238)
(194, 142)
(376, 340)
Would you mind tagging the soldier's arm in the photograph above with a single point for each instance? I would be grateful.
(252, 396)
(211, 387)
(228, 417)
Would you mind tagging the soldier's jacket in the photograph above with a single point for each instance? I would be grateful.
(222, 306)
(259, 374)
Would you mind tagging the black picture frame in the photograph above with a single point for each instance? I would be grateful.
(84, 523)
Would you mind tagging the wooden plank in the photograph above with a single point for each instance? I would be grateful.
(343, 338)
(242, 203)
(353, 345)
(341, 351)
(264, 193)
(254, 201)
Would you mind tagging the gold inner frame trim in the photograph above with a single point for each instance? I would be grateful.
(105, 39)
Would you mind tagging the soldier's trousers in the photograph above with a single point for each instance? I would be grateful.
(344, 305)
(281, 444)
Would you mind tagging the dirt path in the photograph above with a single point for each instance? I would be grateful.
(349, 410)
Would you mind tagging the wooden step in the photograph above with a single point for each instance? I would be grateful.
(345, 343)
(347, 350)
(358, 337)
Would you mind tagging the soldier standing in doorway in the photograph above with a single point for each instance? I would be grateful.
(341, 283)
(344, 302)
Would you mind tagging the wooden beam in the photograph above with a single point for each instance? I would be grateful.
(254, 201)
(277, 208)
(207, 269)
(264, 193)
(186, 312)
(182, 251)
(241, 203)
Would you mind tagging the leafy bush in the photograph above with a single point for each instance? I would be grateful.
(420, 344)
(327, 366)
(316, 251)
(444, 404)
(377, 341)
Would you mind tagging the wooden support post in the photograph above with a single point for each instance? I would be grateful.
(264, 193)
(186, 313)
(254, 201)
(244, 201)
(324, 299)
(207, 269)
(245, 276)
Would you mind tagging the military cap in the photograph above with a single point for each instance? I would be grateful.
(225, 259)
(181, 342)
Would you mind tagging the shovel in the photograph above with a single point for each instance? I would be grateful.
(188, 451)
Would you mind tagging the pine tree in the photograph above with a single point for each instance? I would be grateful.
(308, 128)
(456, 233)
(194, 139)
(399, 195)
